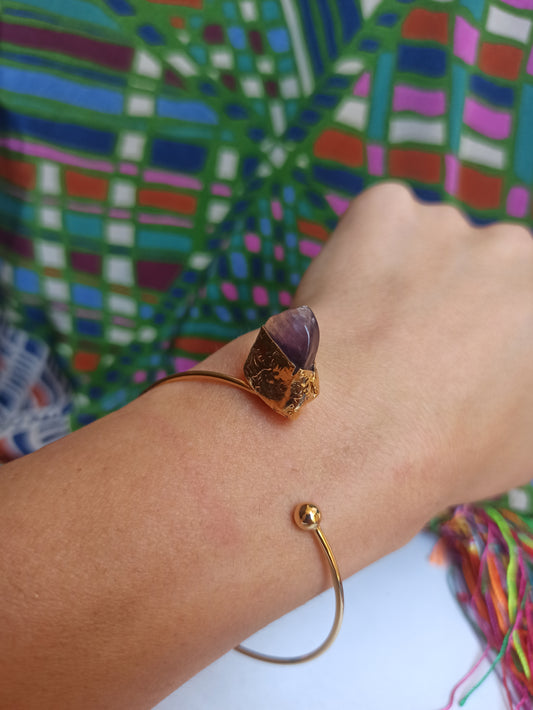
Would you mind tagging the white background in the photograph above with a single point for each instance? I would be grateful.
(404, 644)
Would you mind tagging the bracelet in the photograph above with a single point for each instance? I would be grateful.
(307, 517)
(280, 369)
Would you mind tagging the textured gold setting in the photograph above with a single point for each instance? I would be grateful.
(270, 375)
(273, 377)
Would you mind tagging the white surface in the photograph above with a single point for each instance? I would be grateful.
(403, 645)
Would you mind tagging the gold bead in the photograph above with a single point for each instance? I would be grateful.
(307, 516)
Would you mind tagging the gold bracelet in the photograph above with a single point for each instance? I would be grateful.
(307, 517)
(280, 369)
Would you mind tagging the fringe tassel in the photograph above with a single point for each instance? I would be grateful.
(492, 552)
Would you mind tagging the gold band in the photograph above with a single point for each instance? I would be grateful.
(285, 388)
(201, 375)
(307, 517)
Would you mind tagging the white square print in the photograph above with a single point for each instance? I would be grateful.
(182, 63)
(131, 145)
(118, 270)
(222, 59)
(252, 87)
(140, 105)
(216, 211)
(147, 65)
(49, 178)
(289, 87)
(121, 234)
(248, 10)
(50, 217)
(227, 163)
(123, 193)
(56, 289)
(51, 254)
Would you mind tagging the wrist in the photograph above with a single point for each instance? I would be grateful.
(336, 454)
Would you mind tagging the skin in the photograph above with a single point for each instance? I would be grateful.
(136, 551)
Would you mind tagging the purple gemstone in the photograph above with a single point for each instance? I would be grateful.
(296, 332)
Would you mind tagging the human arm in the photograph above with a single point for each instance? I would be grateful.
(139, 549)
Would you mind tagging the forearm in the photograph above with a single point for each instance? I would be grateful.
(139, 549)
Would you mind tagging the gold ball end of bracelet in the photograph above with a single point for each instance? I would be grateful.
(307, 516)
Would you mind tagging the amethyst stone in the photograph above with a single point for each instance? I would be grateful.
(296, 333)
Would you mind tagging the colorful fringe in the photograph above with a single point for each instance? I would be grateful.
(492, 550)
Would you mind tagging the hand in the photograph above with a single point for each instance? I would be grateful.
(427, 336)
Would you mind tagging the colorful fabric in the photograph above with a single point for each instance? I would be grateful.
(493, 554)
(34, 396)
(168, 169)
